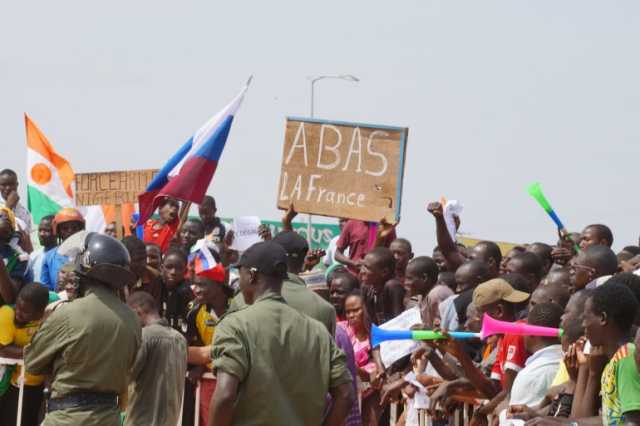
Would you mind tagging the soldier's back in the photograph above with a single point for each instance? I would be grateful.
(89, 345)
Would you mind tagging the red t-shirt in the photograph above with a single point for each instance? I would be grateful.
(511, 355)
(155, 232)
(355, 235)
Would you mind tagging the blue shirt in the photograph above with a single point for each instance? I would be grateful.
(34, 267)
(51, 265)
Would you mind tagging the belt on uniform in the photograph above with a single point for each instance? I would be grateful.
(82, 399)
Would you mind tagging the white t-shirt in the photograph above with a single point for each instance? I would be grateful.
(534, 380)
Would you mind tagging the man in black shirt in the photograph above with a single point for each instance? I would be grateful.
(176, 292)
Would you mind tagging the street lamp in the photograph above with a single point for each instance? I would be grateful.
(345, 77)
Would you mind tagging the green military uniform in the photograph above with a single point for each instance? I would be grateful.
(299, 297)
(286, 363)
(88, 345)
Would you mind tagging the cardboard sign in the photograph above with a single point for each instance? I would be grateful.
(343, 169)
(112, 187)
(393, 350)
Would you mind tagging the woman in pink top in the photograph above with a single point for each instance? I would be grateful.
(358, 328)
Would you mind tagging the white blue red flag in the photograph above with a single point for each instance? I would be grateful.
(204, 265)
(187, 174)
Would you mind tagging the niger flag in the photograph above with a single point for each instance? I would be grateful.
(50, 176)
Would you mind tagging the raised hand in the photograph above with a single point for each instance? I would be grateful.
(12, 199)
(288, 217)
(385, 229)
(264, 232)
(313, 258)
(436, 209)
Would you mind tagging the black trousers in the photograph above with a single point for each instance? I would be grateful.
(189, 407)
(31, 405)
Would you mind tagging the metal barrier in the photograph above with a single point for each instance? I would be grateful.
(461, 416)
(423, 415)
(196, 417)
(17, 362)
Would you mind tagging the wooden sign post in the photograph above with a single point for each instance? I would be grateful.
(116, 188)
(342, 169)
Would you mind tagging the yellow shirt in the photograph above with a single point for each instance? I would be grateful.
(205, 324)
(562, 376)
(19, 336)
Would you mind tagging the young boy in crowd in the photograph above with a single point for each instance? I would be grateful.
(214, 229)
(157, 376)
(191, 232)
(154, 256)
(161, 231)
(17, 327)
(176, 293)
(47, 240)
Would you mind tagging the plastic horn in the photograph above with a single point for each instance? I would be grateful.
(492, 326)
(379, 335)
(535, 190)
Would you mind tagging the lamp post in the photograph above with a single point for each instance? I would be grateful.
(314, 80)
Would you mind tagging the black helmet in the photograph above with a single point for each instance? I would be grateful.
(105, 259)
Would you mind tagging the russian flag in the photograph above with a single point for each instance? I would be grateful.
(187, 174)
(206, 266)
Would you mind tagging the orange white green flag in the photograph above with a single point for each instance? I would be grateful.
(50, 176)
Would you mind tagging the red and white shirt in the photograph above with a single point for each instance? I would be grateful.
(511, 355)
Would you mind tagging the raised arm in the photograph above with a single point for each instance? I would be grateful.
(288, 217)
(448, 247)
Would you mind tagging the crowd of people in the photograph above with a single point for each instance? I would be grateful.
(178, 325)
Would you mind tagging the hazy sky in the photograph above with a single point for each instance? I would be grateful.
(496, 94)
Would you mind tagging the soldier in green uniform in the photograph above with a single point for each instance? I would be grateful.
(88, 346)
(275, 365)
(294, 290)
